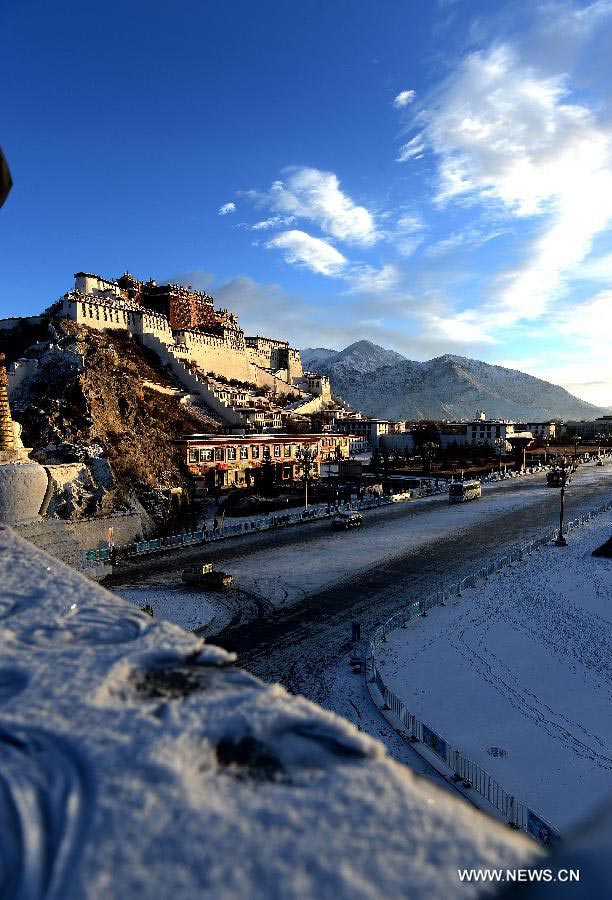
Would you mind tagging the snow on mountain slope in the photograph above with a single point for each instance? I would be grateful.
(446, 387)
(313, 357)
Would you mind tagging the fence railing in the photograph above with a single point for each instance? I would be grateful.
(465, 770)
(265, 523)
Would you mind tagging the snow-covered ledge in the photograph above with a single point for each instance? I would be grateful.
(137, 761)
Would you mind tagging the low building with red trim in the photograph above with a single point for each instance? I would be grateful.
(224, 461)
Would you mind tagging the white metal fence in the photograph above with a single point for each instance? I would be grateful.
(465, 770)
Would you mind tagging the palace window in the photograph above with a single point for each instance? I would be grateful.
(193, 456)
(244, 453)
(277, 450)
(255, 451)
(206, 455)
(231, 453)
(287, 449)
(219, 454)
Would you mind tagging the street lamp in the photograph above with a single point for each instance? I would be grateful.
(577, 439)
(564, 470)
(500, 445)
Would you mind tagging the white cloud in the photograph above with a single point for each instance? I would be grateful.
(370, 280)
(407, 234)
(511, 139)
(316, 196)
(408, 223)
(300, 248)
(227, 208)
(404, 98)
(463, 328)
(598, 268)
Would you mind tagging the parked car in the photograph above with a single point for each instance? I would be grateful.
(204, 576)
(346, 520)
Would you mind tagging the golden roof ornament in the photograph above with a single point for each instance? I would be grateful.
(7, 427)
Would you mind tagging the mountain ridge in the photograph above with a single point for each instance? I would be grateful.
(384, 383)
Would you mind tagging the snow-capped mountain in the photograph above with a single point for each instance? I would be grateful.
(360, 357)
(447, 387)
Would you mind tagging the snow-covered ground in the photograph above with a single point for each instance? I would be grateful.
(522, 664)
(285, 575)
(186, 607)
(136, 761)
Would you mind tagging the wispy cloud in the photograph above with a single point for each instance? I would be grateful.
(301, 248)
(316, 196)
(371, 280)
(227, 208)
(272, 222)
(471, 237)
(413, 149)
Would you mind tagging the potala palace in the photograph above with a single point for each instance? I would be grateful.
(204, 347)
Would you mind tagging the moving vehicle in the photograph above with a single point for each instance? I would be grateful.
(346, 520)
(204, 576)
(459, 491)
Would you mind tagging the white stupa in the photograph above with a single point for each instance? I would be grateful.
(23, 482)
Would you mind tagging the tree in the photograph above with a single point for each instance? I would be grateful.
(376, 462)
(429, 451)
(266, 474)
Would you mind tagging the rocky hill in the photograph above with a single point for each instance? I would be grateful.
(102, 399)
(383, 383)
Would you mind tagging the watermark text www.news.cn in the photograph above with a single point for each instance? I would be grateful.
(519, 875)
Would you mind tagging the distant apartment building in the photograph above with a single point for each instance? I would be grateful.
(588, 431)
(223, 461)
(543, 431)
(487, 431)
(370, 430)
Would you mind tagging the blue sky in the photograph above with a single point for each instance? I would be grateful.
(436, 177)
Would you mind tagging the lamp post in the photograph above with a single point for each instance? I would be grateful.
(428, 452)
(500, 445)
(577, 439)
(329, 461)
(565, 475)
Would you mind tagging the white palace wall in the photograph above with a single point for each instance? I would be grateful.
(212, 353)
(227, 355)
